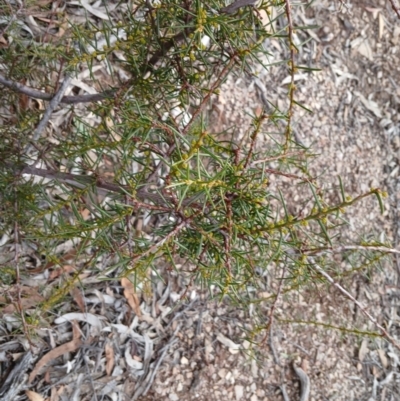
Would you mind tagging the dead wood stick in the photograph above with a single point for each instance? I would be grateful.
(305, 385)
(36, 94)
(55, 101)
(16, 380)
(236, 5)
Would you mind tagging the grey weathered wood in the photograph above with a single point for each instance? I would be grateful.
(238, 4)
(17, 379)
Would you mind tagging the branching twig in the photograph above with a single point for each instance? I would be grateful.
(292, 67)
(228, 238)
(55, 101)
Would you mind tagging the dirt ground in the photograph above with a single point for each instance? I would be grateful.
(205, 353)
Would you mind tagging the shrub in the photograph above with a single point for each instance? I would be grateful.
(132, 177)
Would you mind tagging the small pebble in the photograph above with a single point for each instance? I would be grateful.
(239, 392)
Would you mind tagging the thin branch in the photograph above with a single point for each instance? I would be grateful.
(33, 93)
(330, 327)
(12, 19)
(236, 5)
(213, 87)
(49, 110)
(366, 247)
(272, 158)
(285, 395)
(288, 175)
(30, 92)
(137, 196)
(344, 248)
(362, 308)
(258, 124)
(291, 71)
(179, 227)
(269, 330)
(228, 238)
